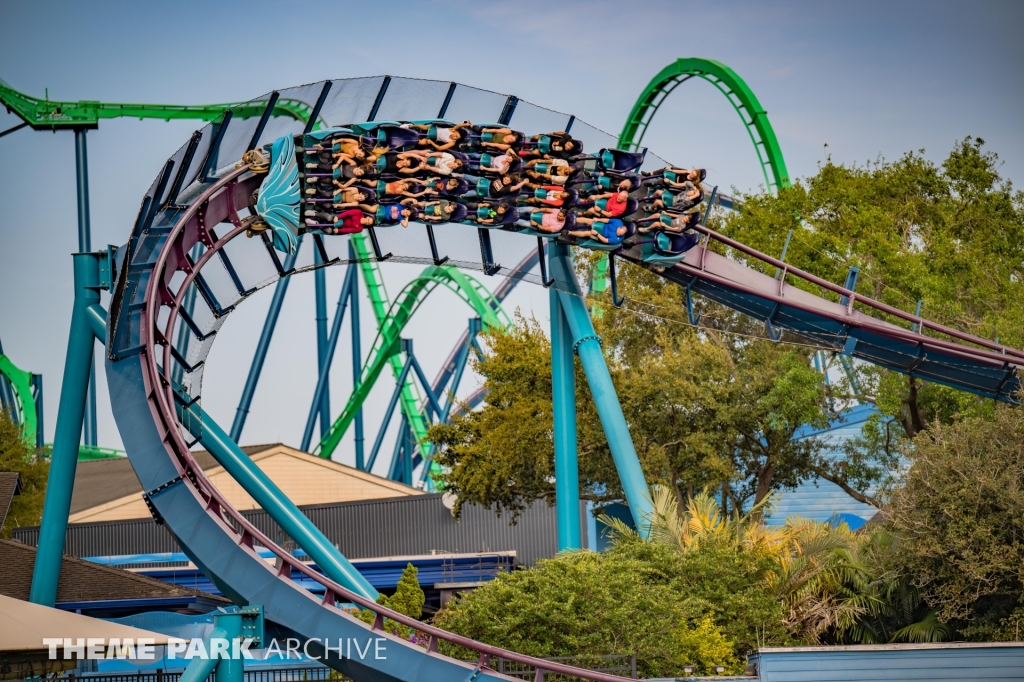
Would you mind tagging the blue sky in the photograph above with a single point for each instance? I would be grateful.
(868, 79)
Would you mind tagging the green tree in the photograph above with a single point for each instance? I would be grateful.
(701, 413)
(668, 609)
(950, 235)
(959, 520)
(15, 455)
(408, 600)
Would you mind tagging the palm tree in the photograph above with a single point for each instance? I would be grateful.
(816, 571)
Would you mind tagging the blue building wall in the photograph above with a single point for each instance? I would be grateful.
(871, 663)
(822, 500)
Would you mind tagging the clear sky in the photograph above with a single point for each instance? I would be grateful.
(868, 79)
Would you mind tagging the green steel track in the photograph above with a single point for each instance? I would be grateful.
(739, 94)
(387, 346)
(25, 404)
(46, 114)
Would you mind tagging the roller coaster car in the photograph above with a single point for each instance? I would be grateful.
(396, 137)
(667, 248)
(486, 159)
(434, 122)
(369, 128)
(544, 143)
(506, 221)
(620, 161)
(570, 224)
(613, 181)
(598, 245)
(319, 136)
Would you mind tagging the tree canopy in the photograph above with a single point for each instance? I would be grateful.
(718, 404)
(15, 455)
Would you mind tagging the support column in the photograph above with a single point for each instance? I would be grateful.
(563, 398)
(230, 669)
(70, 415)
(588, 347)
(357, 355)
(85, 246)
(321, 344)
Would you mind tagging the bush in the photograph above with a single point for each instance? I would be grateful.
(671, 610)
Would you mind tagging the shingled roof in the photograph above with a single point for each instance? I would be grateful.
(85, 581)
(100, 481)
(10, 485)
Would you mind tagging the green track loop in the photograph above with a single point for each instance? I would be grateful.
(742, 98)
(21, 382)
(386, 348)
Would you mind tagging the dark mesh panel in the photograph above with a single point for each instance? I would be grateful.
(410, 99)
(350, 100)
(236, 139)
(594, 139)
(473, 104)
(531, 119)
(198, 159)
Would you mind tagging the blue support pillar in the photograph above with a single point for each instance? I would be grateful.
(588, 348)
(323, 364)
(85, 246)
(357, 357)
(230, 669)
(563, 396)
(268, 496)
(70, 416)
(346, 297)
(263, 346)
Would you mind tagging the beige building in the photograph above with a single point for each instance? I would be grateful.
(108, 490)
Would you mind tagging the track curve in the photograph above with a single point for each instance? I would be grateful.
(158, 273)
(739, 94)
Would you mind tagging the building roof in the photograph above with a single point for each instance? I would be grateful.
(23, 626)
(108, 490)
(10, 485)
(83, 581)
(100, 481)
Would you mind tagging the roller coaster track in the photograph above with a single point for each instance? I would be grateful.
(742, 98)
(157, 415)
(158, 273)
(24, 401)
(386, 346)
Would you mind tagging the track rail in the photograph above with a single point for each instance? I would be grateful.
(159, 317)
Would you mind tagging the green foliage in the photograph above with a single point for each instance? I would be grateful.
(701, 413)
(669, 609)
(950, 235)
(960, 517)
(408, 600)
(15, 455)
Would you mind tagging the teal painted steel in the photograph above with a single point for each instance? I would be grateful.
(230, 669)
(85, 246)
(563, 397)
(280, 290)
(70, 416)
(199, 669)
(588, 346)
(323, 366)
(272, 500)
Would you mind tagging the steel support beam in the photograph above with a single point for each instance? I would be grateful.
(85, 246)
(563, 397)
(70, 416)
(266, 494)
(588, 347)
(263, 346)
(323, 364)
